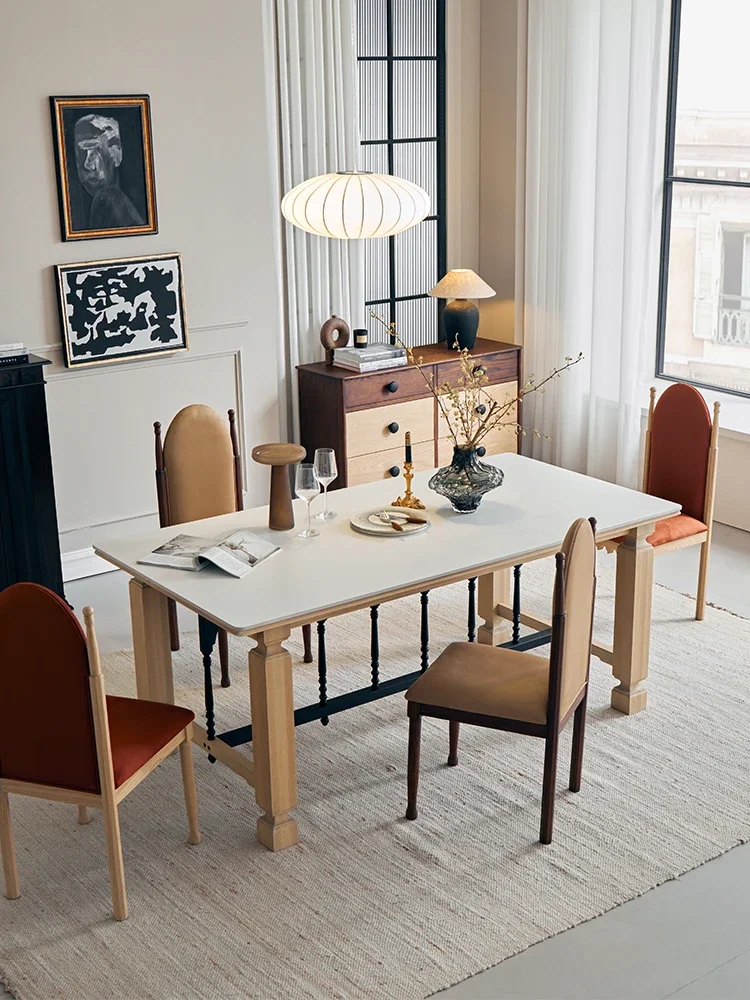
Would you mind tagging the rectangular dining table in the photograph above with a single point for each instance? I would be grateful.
(315, 579)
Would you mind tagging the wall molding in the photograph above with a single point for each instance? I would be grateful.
(187, 357)
(82, 563)
(46, 350)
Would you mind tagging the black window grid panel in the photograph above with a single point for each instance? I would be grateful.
(381, 41)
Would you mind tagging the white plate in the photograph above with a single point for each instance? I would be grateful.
(370, 524)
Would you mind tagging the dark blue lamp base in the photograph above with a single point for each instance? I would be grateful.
(460, 322)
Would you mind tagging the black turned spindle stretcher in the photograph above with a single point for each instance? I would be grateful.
(322, 668)
(207, 633)
(424, 632)
(374, 647)
(472, 626)
(516, 604)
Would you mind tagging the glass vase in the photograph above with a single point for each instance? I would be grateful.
(466, 480)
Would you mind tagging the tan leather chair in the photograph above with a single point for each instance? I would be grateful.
(199, 474)
(679, 464)
(519, 692)
(63, 739)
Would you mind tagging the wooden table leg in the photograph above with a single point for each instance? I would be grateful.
(272, 707)
(149, 616)
(633, 592)
(494, 589)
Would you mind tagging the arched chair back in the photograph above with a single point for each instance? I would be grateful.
(678, 450)
(46, 719)
(574, 597)
(200, 465)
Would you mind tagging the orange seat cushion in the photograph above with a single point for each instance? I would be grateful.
(140, 729)
(670, 529)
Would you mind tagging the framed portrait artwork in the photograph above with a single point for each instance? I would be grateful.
(118, 310)
(105, 166)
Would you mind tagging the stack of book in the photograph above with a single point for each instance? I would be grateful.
(374, 358)
(13, 354)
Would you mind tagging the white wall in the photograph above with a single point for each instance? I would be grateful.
(502, 76)
(462, 44)
(202, 63)
(484, 113)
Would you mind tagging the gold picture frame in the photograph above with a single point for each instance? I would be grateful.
(121, 310)
(105, 166)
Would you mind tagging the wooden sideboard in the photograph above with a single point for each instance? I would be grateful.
(364, 417)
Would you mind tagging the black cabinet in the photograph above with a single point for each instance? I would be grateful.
(29, 542)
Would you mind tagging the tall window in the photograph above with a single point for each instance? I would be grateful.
(704, 301)
(401, 55)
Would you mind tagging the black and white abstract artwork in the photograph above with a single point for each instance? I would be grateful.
(114, 310)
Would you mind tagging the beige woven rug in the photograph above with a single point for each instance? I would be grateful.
(368, 905)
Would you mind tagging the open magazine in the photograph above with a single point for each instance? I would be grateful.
(236, 553)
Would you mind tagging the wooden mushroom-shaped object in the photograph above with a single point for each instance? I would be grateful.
(279, 457)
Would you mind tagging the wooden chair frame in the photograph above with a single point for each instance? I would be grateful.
(549, 731)
(165, 521)
(109, 798)
(702, 538)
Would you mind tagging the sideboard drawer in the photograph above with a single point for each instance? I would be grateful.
(373, 468)
(501, 368)
(385, 387)
(500, 393)
(383, 427)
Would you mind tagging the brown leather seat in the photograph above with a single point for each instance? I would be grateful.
(486, 681)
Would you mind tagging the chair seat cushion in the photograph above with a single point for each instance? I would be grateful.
(671, 529)
(486, 680)
(140, 729)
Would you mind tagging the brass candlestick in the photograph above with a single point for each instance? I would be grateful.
(408, 499)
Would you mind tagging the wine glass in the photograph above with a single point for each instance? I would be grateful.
(307, 487)
(325, 473)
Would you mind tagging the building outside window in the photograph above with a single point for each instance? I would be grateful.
(401, 57)
(704, 312)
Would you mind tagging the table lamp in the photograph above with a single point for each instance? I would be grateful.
(461, 316)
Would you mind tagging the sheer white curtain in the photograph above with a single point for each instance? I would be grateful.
(596, 104)
(318, 133)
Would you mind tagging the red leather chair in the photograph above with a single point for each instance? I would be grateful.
(679, 464)
(62, 738)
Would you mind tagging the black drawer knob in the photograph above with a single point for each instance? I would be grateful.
(394, 471)
(481, 451)
(393, 428)
(481, 409)
(480, 370)
(392, 387)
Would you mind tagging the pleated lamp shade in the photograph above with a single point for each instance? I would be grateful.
(462, 283)
(355, 205)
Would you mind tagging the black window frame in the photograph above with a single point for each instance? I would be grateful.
(439, 216)
(669, 180)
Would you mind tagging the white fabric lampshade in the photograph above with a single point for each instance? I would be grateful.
(355, 206)
(462, 283)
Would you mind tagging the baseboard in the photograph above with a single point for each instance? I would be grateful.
(82, 563)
